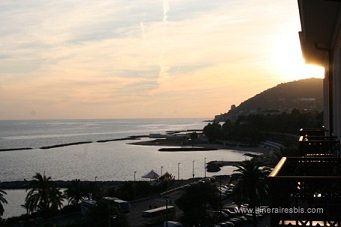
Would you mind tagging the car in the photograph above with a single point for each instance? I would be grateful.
(243, 218)
(229, 211)
(224, 186)
(226, 213)
(227, 224)
(231, 185)
(219, 215)
(236, 221)
(249, 217)
(172, 224)
(221, 189)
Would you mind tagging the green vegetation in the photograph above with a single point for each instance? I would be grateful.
(43, 195)
(304, 95)
(194, 137)
(131, 190)
(44, 200)
(2, 201)
(254, 128)
(195, 202)
(213, 131)
(76, 192)
(251, 187)
(103, 214)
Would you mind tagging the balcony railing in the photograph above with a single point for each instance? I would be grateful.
(313, 132)
(306, 184)
(319, 146)
(315, 143)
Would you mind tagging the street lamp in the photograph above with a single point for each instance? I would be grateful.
(193, 168)
(179, 170)
(161, 170)
(167, 200)
(205, 166)
(134, 185)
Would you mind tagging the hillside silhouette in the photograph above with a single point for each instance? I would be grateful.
(305, 95)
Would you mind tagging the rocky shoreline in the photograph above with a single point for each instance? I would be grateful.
(75, 143)
(174, 145)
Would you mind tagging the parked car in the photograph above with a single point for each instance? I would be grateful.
(236, 221)
(172, 224)
(218, 216)
(226, 224)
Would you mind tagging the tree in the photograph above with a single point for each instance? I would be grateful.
(103, 214)
(227, 129)
(213, 131)
(75, 192)
(251, 187)
(195, 202)
(43, 195)
(56, 198)
(2, 201)
(194, 137)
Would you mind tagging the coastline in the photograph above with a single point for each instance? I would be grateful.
(59, 183)
(177, 145)
(137, 137)
(208, 146)
(171, 141)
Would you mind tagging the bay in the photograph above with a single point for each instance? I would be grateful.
(111, 161)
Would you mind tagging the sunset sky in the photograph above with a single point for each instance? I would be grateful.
(143, 58)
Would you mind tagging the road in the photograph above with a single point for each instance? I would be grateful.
(137, 207)
(135, 216)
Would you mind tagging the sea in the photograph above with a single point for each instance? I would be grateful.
(110, 161)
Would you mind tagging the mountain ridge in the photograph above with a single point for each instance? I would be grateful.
(304, 95)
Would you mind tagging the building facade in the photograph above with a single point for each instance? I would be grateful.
(321, 44)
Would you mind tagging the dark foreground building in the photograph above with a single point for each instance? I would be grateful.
(306, 190)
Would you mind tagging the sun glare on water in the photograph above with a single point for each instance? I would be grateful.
(289, 61)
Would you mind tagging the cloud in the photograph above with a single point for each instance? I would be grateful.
(138, 73)
(167, 56)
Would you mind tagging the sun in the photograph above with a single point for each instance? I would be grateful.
(288, 60)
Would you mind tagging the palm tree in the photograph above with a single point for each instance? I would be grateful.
(75, 192)
(2, 201)
(43, 195)
(251, 187)
(56, 198)
(196, 201)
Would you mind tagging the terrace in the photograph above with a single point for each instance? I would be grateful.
(306, 190)
(305, 184)
(314, 143)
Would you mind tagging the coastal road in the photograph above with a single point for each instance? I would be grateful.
(137, 207)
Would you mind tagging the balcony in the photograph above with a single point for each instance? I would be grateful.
(312, 132)
(315, 143)
(306, 184)
(319, 146)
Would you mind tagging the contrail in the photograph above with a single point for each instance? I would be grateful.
(163, 64)
(165, 10)
(142, 29)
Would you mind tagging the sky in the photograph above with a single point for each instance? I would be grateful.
(88, 59)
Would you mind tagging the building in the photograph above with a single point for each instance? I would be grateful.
(306, 190)
(321, 44)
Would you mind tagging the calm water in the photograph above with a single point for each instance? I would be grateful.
(105, 161)
(14, 134)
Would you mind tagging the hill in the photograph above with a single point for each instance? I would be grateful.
(305, 95)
